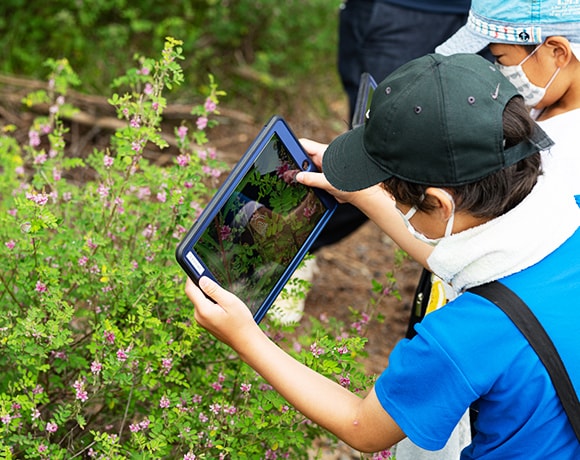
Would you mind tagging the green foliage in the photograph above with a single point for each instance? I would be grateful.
(254, 47)
(99, 355)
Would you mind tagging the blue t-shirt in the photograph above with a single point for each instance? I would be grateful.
(443, 6)
(469, 352)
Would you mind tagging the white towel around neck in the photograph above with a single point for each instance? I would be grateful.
(522, 237)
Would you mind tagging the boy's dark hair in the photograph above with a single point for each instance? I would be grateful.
(495, 194)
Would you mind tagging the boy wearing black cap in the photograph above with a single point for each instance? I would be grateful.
(450, 140)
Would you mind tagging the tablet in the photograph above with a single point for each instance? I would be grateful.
(257, 228)
(364, 96)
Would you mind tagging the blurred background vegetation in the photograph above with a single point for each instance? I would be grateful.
(273, 56)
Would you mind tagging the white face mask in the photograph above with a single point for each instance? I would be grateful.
(531, 93)
(431, 241)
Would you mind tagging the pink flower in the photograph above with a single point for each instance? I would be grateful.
(40, 159)
(108, 161)
(121, 355)
(231, 410)
(109, 336)
(42, 448)
(83, 261)
(246, 387)
(51, 427)
(33, 138)
(225, 232)
(10, 244)
(96, 367)
(182, 132)
(56, 175)
(148, 89)
(134, 428)
(201, 123)
(164, 403)
(103, 190)
(143, 193)
(39, 198)
(82, 395)
(344, 381)
(309, 211)
(316, 350)
(136, 146)
(167, 364)
(189, 456)
(342, 350)
(183, 160)
(135, 122)
(40, 287)
(149, 231)
(162, 197)
(209, 105)
(38, 389)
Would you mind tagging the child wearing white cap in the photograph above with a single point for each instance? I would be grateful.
(536, 44)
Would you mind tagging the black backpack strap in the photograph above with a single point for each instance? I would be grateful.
(420, 302)
(517, 310)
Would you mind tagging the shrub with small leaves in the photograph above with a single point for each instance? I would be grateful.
(99, 354)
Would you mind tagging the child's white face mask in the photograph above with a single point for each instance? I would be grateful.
(432, 241)
(531, 93)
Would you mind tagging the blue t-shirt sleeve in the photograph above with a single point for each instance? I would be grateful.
(424, 390)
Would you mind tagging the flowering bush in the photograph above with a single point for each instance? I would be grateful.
(99, 355)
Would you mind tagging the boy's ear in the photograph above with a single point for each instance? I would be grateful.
(560, 49)
(442, 200)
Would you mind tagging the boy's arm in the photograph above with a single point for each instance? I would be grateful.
(379, 207)
(361, 423)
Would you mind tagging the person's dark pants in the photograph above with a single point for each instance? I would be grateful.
(377, 38)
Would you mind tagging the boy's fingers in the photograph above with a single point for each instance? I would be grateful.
(313, 179)
(193, 292)
(215, 292)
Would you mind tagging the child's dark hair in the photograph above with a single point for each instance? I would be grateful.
(495, 194)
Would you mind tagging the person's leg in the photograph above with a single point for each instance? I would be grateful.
(377, 38)
(354, 17)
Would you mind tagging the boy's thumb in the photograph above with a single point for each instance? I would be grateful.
(209, 287)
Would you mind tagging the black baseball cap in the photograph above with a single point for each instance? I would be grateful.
(437, 120)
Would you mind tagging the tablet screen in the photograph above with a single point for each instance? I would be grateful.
(262, 226)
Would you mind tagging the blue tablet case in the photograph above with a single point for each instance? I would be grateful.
(259, 225)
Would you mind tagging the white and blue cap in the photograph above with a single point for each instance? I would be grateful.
(516, 22)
